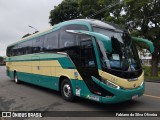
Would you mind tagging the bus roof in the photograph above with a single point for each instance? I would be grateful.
(102, 24)
(92, 22)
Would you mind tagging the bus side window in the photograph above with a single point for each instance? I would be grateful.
(51, 41)
(66, 39)
(27, 47)
(15, 50)
(20, 50)
(8, 53)
(37, 45)
(69, 39)
(88, 58)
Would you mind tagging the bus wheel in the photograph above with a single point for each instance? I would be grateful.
(66, 90)
(16, 78)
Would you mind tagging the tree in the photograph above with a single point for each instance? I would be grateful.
(26, 35)
(116, 14)
(109, 11)
(146, 17)
(72, 9)
(89, 7)
(67, 10)
(30, 34)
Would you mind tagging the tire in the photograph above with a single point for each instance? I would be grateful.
(16, 78)
(67, 91)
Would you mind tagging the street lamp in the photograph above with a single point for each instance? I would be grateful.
(33, 28)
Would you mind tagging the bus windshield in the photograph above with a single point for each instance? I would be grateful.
(124, 55)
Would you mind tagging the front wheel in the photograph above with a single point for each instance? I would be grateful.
(66, 90)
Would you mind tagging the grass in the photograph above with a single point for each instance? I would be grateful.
(147, 74)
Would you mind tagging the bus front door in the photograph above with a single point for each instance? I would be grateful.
(88, 65)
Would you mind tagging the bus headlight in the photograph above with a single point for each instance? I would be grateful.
(141, 83)
(109, 83)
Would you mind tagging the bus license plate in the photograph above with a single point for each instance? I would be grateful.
(134, 97)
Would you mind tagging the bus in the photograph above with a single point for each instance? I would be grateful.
(84, 58)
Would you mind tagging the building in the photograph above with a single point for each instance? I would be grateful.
(146, 57)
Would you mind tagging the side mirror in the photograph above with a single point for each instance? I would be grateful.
(149, 43)
(105, 39)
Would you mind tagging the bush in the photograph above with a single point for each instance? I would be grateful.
(147, 70)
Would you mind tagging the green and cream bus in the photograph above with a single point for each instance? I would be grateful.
(83, 57)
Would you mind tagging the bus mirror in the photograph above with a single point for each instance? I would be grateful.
(105, 39)
(147, 42)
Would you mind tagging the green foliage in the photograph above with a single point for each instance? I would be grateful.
(67, 10)
(147, 70)
(26, 35)
(89, 7)
(143, 10)
(72, 9)
(145, 15)
(147, 73)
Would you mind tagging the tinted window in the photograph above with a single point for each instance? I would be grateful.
(20, 50)
(82, 37)
(9, 51)
(14, 50)
(38, 44)
(51, 41)
(69, 39)
(88, 58)
(26, 47)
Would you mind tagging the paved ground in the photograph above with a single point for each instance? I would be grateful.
(21, 97)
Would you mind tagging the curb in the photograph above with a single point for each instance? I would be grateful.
(154, 81)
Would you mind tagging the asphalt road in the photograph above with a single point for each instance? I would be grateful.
(26, 97)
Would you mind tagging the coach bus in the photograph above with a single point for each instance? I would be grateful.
(84, 57)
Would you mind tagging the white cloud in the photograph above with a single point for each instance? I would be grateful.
(16, 15)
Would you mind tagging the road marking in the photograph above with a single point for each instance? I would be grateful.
(151, 96)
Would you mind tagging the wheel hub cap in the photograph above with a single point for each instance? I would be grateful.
(67, 90)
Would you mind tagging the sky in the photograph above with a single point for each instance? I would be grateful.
(17, 15)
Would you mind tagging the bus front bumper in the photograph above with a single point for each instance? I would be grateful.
(121, 95)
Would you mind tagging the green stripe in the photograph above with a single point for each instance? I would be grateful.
(50, 82)
(64, 61)
(40, 80)
(29, 56)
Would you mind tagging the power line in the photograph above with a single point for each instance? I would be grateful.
(114, 4)
(106, 8)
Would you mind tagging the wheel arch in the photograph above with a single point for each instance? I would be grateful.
(14, 73)
(61, 78)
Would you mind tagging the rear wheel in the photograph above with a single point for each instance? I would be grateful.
(66, 90)
(16, 78)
